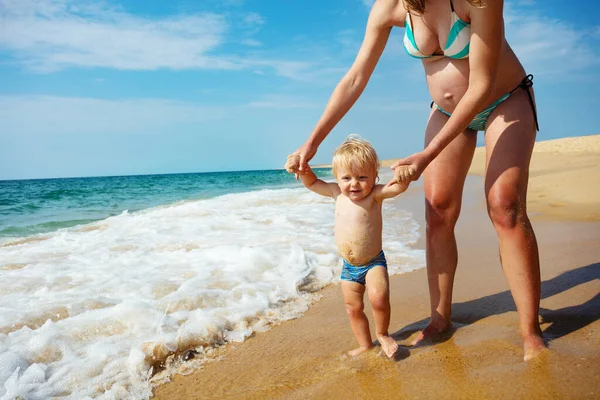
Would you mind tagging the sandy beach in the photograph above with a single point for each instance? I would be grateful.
(482, 359)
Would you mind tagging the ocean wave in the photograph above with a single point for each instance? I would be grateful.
(96, 310)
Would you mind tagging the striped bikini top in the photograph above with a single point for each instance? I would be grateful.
(457, 45)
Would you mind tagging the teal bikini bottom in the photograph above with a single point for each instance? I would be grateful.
(480, 121)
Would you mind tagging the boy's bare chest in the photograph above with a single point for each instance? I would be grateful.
(347, 212)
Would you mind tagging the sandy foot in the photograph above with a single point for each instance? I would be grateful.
(389, 345)
(432, 334)
(358, 351)
(533, 345)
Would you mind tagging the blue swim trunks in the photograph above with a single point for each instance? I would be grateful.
(358, 274)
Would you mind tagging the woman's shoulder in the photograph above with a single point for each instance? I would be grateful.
(392, 11)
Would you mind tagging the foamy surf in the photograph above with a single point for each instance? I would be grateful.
(91, 311)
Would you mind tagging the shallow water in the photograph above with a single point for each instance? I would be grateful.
(90, 310)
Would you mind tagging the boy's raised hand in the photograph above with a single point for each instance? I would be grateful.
(403, 173)
(292, 164)
(391, 189)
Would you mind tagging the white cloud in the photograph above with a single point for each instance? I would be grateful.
(52, 35)
(289, 69)
(54, 115)
(51, 115)
(251, 42)
(349, 40)
(254, 19)
(549, 46)
(296, 70)
(69, 115)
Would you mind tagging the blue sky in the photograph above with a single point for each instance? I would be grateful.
(138, 87)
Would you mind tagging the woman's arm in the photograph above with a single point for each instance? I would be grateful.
(354, 82)
(487, 37)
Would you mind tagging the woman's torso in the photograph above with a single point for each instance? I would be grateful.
(358, 229)
(448, 78)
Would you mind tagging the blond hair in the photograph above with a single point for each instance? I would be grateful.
(418, 6)
(355, 152)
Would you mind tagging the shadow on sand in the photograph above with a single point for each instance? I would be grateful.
(563, 321)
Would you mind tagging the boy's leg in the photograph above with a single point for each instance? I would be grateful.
(353, 298)
(379, 297)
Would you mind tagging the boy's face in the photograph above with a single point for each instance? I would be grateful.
(356, 183)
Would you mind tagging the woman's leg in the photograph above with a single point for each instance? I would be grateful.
(444, 179)
(509, 141)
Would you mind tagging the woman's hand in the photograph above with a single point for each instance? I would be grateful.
(410, 168)
(297, 162)
(306, 152)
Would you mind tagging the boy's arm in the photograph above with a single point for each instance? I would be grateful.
(311, 182)
(390, 189)
(309, 179)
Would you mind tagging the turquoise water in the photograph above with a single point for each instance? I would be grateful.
(29, 207)
(124, 272)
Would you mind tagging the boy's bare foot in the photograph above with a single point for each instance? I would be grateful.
(533, 345)
(389, 345)
(358, 351)
(432, 333)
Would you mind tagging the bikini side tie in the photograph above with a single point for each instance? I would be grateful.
(525, 84)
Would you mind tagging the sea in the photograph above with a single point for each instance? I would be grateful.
(106, 281)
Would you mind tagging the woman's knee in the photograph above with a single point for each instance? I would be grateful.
(441, 211)
(506, 207)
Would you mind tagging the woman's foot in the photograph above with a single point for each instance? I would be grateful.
(389, 345)
(533, 345)
(359, 350)
(434, 332)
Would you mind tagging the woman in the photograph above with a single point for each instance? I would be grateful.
(476, 83)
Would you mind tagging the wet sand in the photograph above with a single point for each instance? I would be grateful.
(482, 359)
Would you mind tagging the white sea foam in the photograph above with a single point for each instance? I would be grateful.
(87, 311)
